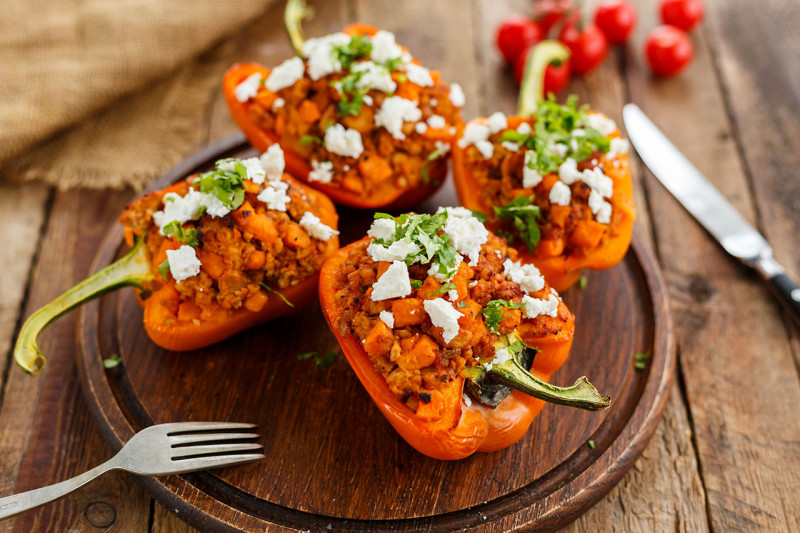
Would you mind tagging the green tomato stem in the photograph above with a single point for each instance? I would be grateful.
(531, 91)
(293, 15)
(132, 269)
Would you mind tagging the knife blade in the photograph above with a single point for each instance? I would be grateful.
(708, 206)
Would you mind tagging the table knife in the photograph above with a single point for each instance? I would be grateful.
(708, 206)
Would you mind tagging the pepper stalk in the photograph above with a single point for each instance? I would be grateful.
(531, 90)
(132, 269)
(293, 15)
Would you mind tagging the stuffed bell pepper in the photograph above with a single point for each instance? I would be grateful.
(212, 255)
(453, 338)
(357, 116)
(554, 180)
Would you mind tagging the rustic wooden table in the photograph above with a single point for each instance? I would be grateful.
(726, 455)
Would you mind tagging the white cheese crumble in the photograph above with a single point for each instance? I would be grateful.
(442, 278)
(274, 195)
(443, 315)
(618, 147)
(466, 399)
(568, 171)
(278, 103)
(530, 176)
(214, 206)
(524, 129)
(419, 75)
(397, 251)
(497, 122)
(321, 54)
(601, 123)
(433, 102)
(314, 226)
(466, 232)
(374, 76)
(394, 112)
(321, 171)
(594, 178)
(367, 99)
(603, 215)
(452, 295)
(478, 135)
(535, 307)
(527, 276)
(382, 228)
(183, 262)
(387, 318)
(560, 194)
(442, 146)
(437, 122)
(559, 149)
(473, 283)
(252, 166)
(501, 356)
(394, 283)
(343, 141)
(510, 146)
(179, 208)
(286, 74)
(457, 95)
(273, 163)
(384, 47)
(248, 88)
(578, 132)
(421, 128)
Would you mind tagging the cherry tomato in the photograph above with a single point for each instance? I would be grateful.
(588, 47)
(683, 14)
(514, 35)
(668, 50)
(616, 19)
(548, 13)
(556, 77)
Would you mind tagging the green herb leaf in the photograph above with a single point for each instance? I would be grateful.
(441, 290)
(640, 360)
(591, 444)
(582, 282)
(112, 362)
(416, 283)
(226, 185)
(433, 156)
(273, 291)
(524, 216)
(462, 304)
(184, 235)
(360, 46)
(310, 139)
(479, 215)
(163, 269)
(322, 361)
(493, 314)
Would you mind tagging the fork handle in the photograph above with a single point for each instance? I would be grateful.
(16, 503)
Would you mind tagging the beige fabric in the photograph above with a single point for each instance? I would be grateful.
(108, 92)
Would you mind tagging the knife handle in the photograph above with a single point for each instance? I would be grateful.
(788, 292)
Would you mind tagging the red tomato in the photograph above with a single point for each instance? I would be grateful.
(514, 35)
(668, 50)
(548, 13)
(555, 77)
(588, 47)
(616, 19)
(683, 14)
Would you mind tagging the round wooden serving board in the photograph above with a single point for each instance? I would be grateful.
(332, 461)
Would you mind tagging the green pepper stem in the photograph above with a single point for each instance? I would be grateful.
(293, 15)
(531, 91)
(132, 269)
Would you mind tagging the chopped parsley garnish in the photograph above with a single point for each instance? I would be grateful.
(112, 362)
(479, 215)
(352, 95)
(360, 46)
(184, 235)
(591, 444)
(582, 282)
(273, 291)
(441, 290)
(433, 156)
(305, 140)
(524, 214)
(493, 313)
(462, 304)
(163, 269)
(640, 360)
(226, 185)
(322, 361)
(416, 283)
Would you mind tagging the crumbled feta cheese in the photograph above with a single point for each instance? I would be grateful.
(214, 206)
(179, 208)
(286, 74)
(595, 201)
(598, 181)
(421, 128)
(568, 171)
(535, 307)
(497, 122)
(252, 167)
(382, 228)
(442, 278)
(530, 176)
(394, 112)
(343, 141)
(573, 145)
(437, 122)
(510, 146)
(321, 171)
(443, 315)
(478, 135)
(601, 123)
(278, 103)
(274, 195)
(374, 76)
(419, 75)
(452, 295)
(183, 262)
(384, 47)
(321, 54)
(433, 102)
(248, 88)
(501, 356)
(560, 194)
(461, 212)
(442, 146)
(367, 99)
(387, 318)
(273, 163)
(394, 283)
(466, 399)
(603, 215)
(314, 226)
(457, 95)
(559, 149)
(466, 233)
(618, 147)
(524, 129)
(397, 251)
(473, 283)
(578, 132)
(527, 276)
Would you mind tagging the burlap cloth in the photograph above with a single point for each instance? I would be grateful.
(109, 93)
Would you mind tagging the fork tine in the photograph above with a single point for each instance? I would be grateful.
(192, 451)
(188, 427)
(189, 439)
(204, 463)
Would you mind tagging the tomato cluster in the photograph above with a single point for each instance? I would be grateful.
(668, 48)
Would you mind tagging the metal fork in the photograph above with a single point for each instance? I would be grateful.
(154, 451)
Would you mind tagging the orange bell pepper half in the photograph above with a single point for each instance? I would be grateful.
(448, 427)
